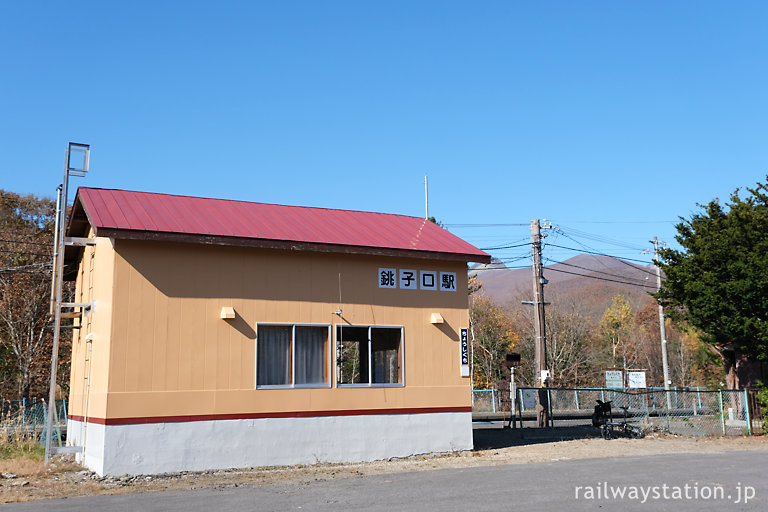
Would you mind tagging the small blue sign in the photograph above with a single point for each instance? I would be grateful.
(464, 347)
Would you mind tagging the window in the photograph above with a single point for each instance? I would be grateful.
(292, 355)
(369, 356)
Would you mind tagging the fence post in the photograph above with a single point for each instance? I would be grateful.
(549, 406)
(493, 400)
(647, 412)
(722, 412)
(576, 394)
(24, 410)
(522, 404)
(746, 413)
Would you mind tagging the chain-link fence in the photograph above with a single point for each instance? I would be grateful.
(694, 412)
(27, 419)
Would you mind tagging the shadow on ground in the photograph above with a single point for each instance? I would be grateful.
(492, 436)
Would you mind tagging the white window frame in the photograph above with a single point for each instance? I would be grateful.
(370, 384)
(292, 385)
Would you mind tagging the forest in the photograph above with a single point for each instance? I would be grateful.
(716, 301)
(580, 349)
(26, 335)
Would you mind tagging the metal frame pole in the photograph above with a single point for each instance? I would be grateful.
(722, 411)
(58, 278)
(746, 413)
(61, 226)
(54, 263)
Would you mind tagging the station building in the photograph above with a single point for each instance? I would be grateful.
(225, 334)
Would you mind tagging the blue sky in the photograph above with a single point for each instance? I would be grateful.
(611, 119)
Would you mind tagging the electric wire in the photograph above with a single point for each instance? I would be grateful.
(622, 260)
(25, 253)
(483, 225)
(24, 242)
(595, 253)
(598, 238)
(600, 278)
(594, 271)
(503, 247)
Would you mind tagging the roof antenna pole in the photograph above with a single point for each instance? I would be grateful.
(426, 198)
(70, 169)
(54, 264)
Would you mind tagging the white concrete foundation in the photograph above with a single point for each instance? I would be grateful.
(219, 444)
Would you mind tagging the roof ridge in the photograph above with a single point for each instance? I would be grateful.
(252, 202)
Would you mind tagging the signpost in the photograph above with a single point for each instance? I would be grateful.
(614, 379)
(529, 399)
(512, 361)
(636, 380)
(464, 353)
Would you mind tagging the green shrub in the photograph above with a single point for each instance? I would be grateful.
(762, 399)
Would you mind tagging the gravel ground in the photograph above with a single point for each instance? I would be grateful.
(493, 446)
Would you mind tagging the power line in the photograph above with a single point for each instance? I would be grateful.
(615, 257)
(505, 267)
(601, 278)
(598, 238)
(24, 242)
(625, 221)
(592, 270)
(32, 268)
(482, 225)
(595, 253)
(638, 268)
(25, 253)
(39, 271)
(503, 247)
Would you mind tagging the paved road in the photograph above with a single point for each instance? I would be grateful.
(565, 485)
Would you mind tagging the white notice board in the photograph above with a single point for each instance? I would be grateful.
(529, 399)
(636, 380)
(614, 379)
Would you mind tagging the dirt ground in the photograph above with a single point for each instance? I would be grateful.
(26, 480)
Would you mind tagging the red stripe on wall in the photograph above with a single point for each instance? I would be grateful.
(253, 416)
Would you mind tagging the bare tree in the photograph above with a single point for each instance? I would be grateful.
(572, 351)
(26, 224)
(492, 337)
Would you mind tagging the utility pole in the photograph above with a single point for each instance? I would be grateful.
(539, 325)
(663, 330)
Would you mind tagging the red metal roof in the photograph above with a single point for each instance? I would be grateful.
(123, 213)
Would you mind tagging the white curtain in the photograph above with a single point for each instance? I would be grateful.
(311, 350)
(274, 355)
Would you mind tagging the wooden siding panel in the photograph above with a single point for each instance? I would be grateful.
(160, 342)
(173, 345)
(182, 348)
(194, 318)
(118, 367)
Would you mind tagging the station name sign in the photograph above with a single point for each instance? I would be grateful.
(409, 279)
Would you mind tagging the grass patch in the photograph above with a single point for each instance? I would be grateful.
(31, 451)
(20, 450)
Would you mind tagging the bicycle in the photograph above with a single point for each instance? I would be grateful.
(602, 418)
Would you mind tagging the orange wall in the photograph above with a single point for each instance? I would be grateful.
(170, 354)
(94, 282)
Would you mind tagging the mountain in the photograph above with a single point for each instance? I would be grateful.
(591, 281)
